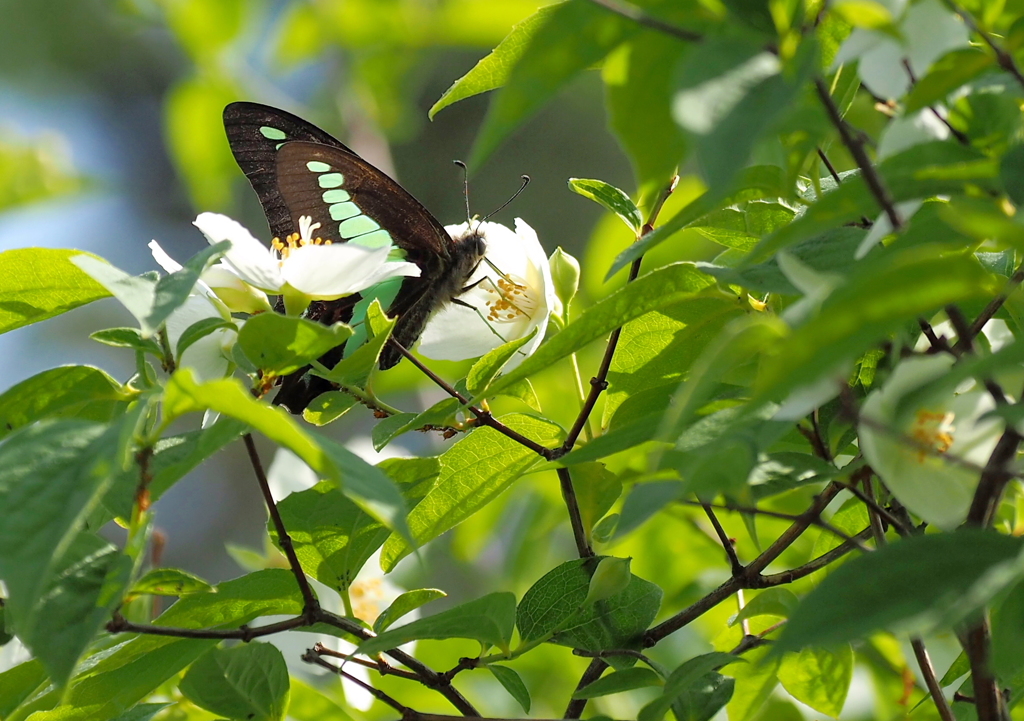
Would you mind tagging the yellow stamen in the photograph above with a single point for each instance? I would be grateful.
(934, 430)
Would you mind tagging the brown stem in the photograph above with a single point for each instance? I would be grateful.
(579, 533)
(856, 148)
(993, 307)
(119, 624)
(987, 699)
(994, 479)
(812, 566)
(593, 672)
(931, 681)
(727, 545)
(312, 658)
(310, 605)
(1005, 59)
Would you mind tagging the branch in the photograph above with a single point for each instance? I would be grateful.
(593, 672)
(579, 533)
(632, 12)
(856, 148)
(812, 566)
(310, 605)
(727, 544)
(988, 701)
(931, 681)
(993, 307)
(994, 478)
(119, 624)
(1005, 59)
(312, 658)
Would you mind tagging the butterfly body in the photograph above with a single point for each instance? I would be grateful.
(300, 170)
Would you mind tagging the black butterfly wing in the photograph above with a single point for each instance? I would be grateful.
(255, 134)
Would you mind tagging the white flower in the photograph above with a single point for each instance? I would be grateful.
(302, 266)
(928, 30)
(511, 295)
(936, 489)
(221, 282)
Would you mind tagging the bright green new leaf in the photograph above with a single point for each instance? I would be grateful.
(355, 369)
(572, 37)
(512, 683)
(625, 680)
(39, 283)
(819, 678)
(281, 344)
(404, 604)
(916, 584)
(169, 582)
(81, 392)
(441, 413)
(474, 471)
(328, 407)
(249, 681)
(946, 74)
(489, 366)
(19, 683)
(489, 620)
(611, 198)
(754, 683)
(492, 72)
(597, 489)
(129, 338)
(770, 602)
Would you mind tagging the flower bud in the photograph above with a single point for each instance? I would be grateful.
(565, 274)
(610, 577)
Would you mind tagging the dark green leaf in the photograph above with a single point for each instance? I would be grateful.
(282, 344)
(624, 680)
(406, 603)
(704, 698)
(918, 583)
(689, 679)
(40, 283)
(249, 681)
(142, 712)
(611, 198)
(489, 620)
(508, 678)
(80, 392)
(644, 500)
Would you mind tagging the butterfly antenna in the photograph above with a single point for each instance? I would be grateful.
(526, 181)
(465, 192)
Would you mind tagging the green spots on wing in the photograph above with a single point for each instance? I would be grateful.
(317, 166)
(376, 239)
(385, 292)
(342, 211)
(359, 225)
(272, 133)
(336, 196)
(330, 180)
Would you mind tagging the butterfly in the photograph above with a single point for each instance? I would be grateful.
(298, 170)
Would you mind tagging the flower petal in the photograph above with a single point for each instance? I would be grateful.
(326, 272)
(254, 261)
(162, 259)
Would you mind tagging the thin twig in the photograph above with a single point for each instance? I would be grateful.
(119, 624)
(632, 12)
(579, 533)
(994, 478)
(856, 148)
(993, 307)
(753, 640)
(875, 506)
(814, 565)
(829, 166)
(310, 604)
(1005, 59)
(924, 662)
(312, 657)
(727, 544)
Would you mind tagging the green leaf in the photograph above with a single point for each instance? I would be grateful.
(197, 331)
(333, 537)
(644, 500)
(169, 582)
(688, 679)
(757, 182)
(489, 620)
(51, 475)
(946, 74)
(489, 366)
(127, 674)
(508, 678)
(918, 583)
(136, 293)
(328, 407)
(406, 603)
(40, 283)
(81, 392)
(474, 472)
(307, 703)
(389, 428)
(1008, 634)
(639, 84)
(249, 681)
(819, 677)
(624, 680)
(922, 171)
(142, 712)
(754, 683)
(1011, 172)
(554, 605)
(572, 37)
(657, 289)
(441, 413)
(493, 71)
(770, 602)
(704, 698)
(597, 489)
(611, 198)
(173, 290)
(19, 683)
(877, 299)
(281, 344)
(356, 368)
(128, 338)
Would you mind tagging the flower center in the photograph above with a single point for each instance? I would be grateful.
(297, 240)
(368, 599)
(508, 299)
(934, 430)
